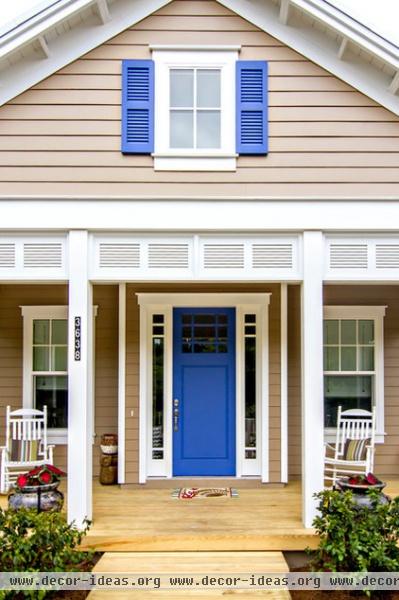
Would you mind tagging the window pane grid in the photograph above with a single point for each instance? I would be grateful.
(186, 133)
(49, 370)
(343, 349)
(49, 357)
(349, 366)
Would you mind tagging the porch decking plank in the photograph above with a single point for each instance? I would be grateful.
(143, 519)
(188, 563)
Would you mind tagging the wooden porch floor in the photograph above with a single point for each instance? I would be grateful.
(140, 519)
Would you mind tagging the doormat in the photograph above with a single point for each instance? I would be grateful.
(191, 493)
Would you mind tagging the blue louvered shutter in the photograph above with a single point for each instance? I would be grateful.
(251, 106)
(137, 106)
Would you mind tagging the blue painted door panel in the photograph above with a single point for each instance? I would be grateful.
(204, 385)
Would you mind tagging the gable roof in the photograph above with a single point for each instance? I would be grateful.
(60, 31)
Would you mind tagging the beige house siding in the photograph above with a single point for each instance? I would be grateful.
(63, 135)
(11, 349)
(106, 366)
(132, 366)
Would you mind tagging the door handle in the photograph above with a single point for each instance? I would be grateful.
(175, 414)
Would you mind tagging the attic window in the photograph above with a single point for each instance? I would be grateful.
(195, 104)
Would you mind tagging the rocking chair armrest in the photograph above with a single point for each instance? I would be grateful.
(328, 446)
(4, 451)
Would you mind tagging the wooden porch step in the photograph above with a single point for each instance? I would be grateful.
(191, 563)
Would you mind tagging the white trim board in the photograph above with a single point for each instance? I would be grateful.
(153, 303)
(203, 215)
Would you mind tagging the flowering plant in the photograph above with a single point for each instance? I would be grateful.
(368, 479)
(42, 475)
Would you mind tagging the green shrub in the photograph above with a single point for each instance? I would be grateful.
(356, 538)
(31, 541)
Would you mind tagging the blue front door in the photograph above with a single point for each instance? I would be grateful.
(204, 391)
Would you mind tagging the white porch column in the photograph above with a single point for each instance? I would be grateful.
(312, 373)
(80, 401)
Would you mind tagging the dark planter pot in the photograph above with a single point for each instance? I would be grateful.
(360, 495)
(43, 498)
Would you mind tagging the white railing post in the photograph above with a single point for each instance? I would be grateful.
(312, 373)
(80, 401)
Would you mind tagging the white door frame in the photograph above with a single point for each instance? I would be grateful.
(163, 303)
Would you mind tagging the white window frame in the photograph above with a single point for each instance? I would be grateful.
(195, 57)
(376, 314)
(29, 314)
(255, 303)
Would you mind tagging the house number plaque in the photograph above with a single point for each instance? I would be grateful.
(78, 339)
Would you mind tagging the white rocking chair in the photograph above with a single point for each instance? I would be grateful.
(26, 444)
(353, 452)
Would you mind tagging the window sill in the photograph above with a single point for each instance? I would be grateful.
(194, 162)
(58, 437)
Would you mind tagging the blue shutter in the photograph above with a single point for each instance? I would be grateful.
(137, 106)
(251, 106)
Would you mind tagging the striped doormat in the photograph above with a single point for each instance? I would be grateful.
(191, 493)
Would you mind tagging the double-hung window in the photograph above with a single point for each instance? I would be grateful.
(353, 361)
(195, 109)
(45, 358)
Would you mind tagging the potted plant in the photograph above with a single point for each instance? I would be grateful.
(359, 485)
(37, 489)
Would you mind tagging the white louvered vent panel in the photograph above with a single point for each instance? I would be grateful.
(119, 255)
(348, 256)
(387, 256)
(272, 256)
(7, 255)
(223, 256)
(43, 255)
(168, 256)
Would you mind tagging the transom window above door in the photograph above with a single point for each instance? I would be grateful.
(195, 108)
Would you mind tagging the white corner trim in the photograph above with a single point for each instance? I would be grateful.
(265, 420)
(284, 381)
(121, 382)
(143, 393)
